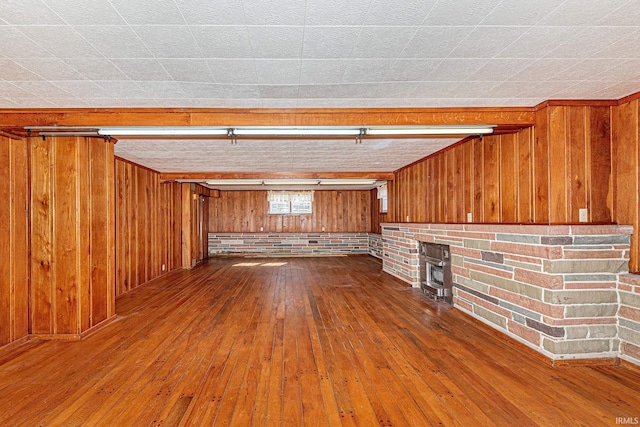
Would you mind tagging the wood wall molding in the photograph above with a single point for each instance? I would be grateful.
(201, 176)
(15, 120)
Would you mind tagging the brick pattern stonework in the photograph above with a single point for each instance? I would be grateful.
(375, 245)
(553, 288)
(288, 243)
(629, 317)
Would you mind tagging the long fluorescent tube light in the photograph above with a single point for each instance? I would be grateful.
(234, 182)
(291, 181)
(163, 131)
(297, 131)
(347, 181)
(431, 130)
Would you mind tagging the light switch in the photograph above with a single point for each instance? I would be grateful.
(584, 215)
(469, 217)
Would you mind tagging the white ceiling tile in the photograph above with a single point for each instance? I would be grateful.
(336, 12)
(382, 42)
(278, 71)
(329, 42)
(35, 103)
(536, 42)
(507, 89)
(17, 45)
(330, 91)
(322, 70)
(412, 69)
(473, 89)
(590, 41)
(115, 41)
(207, 12)
(435, 42)
(456, 12)
(617, 71)
(618, 90)
(63, 42)
(625, 48)
(233, 70)
(518, 12)
(219, 91)
(142, 69)
(579, 12)
(43, 90)
(71, 103)
(10, 91)
(543, 69)
(149, 12)
(628, 14)
(162, 90)
(169, 42)
(276, 42)
(188, 70)
(265, 12)
(582, 89)
(123, 89)
(28, 12)
(587, 69)
(499, 69)
(456, 69)
(388, 90)
(545, 90)
(367, 70)
(93, 69)
(84, 12)
(82, 89)
(486, 42)
(279, 91)
(410, 12)
(441, 89)
(51, 69)
(223, 42)
(14, 72)
(7, 103)
(279, 103)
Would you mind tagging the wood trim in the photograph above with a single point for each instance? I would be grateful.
(135, 164)
(201, 176)
(577, 103)
(509, 116)
(629, 98)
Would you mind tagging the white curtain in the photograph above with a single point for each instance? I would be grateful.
(382, 192)
(290, 196)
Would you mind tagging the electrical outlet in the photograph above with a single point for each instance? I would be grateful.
(323, 228)
(584, 215)
(261, 228)
(469, 217)
(407, 218)
(164, 267)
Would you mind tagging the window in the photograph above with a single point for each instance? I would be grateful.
(290, 202)
(382, 195)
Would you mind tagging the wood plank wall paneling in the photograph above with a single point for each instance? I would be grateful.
(538, 175)
(72, 235)
(626, 129)
(148, 226)
(247, 211)
(14, 252)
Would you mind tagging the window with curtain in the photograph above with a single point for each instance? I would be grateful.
(382, 196)
(290, 202)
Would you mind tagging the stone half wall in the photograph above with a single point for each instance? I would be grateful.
(288, 243)
(629, 317)
(553, 288)
(375, 245)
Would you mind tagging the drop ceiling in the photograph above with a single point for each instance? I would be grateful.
(311, 54)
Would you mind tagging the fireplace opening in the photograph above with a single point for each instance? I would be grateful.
(435, 271)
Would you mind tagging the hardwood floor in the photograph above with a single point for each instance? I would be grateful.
(298, 341)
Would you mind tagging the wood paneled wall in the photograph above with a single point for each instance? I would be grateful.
(72, 235)
(148, 226)
(14, 250)
(543, 174)
(626, 163)
(247, 211)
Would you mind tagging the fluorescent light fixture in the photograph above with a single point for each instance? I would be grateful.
(163, 131)
(431, 130)
(291, 181)
(297, 131)
(347, 181)
(234, 182)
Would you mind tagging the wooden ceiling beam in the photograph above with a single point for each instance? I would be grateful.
(509, 117)
(202, 176)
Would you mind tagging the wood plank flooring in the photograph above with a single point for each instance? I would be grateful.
(298, 341)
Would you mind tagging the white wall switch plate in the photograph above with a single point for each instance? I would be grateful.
(584, 215)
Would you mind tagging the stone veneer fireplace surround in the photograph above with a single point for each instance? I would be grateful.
(553, 288)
